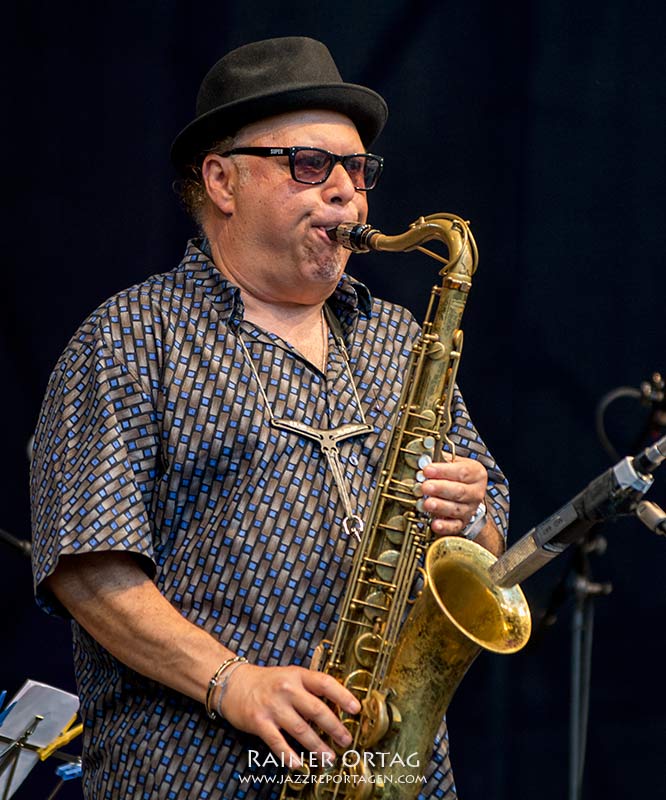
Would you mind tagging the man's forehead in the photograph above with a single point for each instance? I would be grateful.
(297, 122)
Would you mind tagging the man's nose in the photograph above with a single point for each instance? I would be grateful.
(339, 182)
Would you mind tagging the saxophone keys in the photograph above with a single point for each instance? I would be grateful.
(357, 682)
(436, 351)
(366, 649)
(395, 529)
(429, 444)
(378, 718)
(413, 452)
(417, 449)
(428, 416)
(386, 564)
(320, 656)
(375, 606)
(375, 719)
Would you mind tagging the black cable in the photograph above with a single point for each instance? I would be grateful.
(602, 406)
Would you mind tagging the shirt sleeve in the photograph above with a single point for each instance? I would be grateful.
(94, 465)
(469, 444)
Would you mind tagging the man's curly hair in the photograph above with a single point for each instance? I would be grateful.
(191, 188)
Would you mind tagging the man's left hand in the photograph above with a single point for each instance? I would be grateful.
(454, 490)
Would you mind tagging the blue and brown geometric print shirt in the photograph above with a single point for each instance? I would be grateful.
(154, 439)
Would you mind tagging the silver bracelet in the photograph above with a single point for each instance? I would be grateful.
(214, 683)
(223, 686)
(476, 524)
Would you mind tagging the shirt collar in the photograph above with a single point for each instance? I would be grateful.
(351, 297)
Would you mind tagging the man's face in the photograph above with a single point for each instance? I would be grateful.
(279, 248)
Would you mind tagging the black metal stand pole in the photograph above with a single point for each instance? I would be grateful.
(582, 629)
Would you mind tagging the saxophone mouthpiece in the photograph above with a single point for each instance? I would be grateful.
(353, 235)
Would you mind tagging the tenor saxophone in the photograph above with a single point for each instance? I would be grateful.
(401, 650)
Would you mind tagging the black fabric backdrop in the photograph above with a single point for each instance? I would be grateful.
(543, 123)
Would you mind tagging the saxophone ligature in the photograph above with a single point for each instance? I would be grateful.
(401, 650)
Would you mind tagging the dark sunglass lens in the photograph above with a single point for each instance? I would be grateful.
(355, 166)
(363, 170)
(311, 166)
(373, 167)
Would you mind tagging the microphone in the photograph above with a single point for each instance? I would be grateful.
(616, 491)
(647, 461)
(652, 516)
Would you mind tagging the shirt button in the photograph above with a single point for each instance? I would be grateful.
(353, 459)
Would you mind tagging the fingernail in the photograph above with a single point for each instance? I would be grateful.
(354, 707)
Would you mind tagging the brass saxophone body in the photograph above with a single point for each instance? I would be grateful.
(403, 652)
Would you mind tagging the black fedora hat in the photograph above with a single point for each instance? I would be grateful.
(271, 77)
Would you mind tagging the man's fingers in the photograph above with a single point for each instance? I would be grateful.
(326, 686)
(302, 731)
(462, 470)
(447, 527)
(454, 490)
(325, 720)
(448, 510)
(299, 702)
(279, 745)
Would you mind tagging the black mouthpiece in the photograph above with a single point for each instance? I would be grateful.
(353, 236)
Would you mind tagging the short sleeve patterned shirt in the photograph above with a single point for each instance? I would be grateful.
(154, 439)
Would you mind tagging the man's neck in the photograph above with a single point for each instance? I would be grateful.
(304, 327)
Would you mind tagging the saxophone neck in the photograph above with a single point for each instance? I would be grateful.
(450, 229)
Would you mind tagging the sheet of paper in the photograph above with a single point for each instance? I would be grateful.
(56, 706)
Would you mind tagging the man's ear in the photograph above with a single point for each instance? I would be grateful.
(220, 179)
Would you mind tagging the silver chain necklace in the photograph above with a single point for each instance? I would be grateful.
(326, 438)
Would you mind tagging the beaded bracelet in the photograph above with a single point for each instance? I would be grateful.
(214, 683)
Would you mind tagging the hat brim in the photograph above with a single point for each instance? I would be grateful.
(366, 109)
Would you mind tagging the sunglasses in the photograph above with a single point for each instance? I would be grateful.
(312, 165)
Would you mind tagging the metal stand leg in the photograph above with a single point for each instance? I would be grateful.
(582, 628)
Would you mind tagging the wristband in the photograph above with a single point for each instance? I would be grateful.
(476, 524)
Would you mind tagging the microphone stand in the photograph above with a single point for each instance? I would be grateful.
(585, 590)
(22, 545)
(616, 492)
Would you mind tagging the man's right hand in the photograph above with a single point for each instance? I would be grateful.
(118, 604)
(267, 701)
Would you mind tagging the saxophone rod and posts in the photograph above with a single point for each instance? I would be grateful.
(403, 655)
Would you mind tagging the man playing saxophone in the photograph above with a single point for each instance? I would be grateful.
(186, 512)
